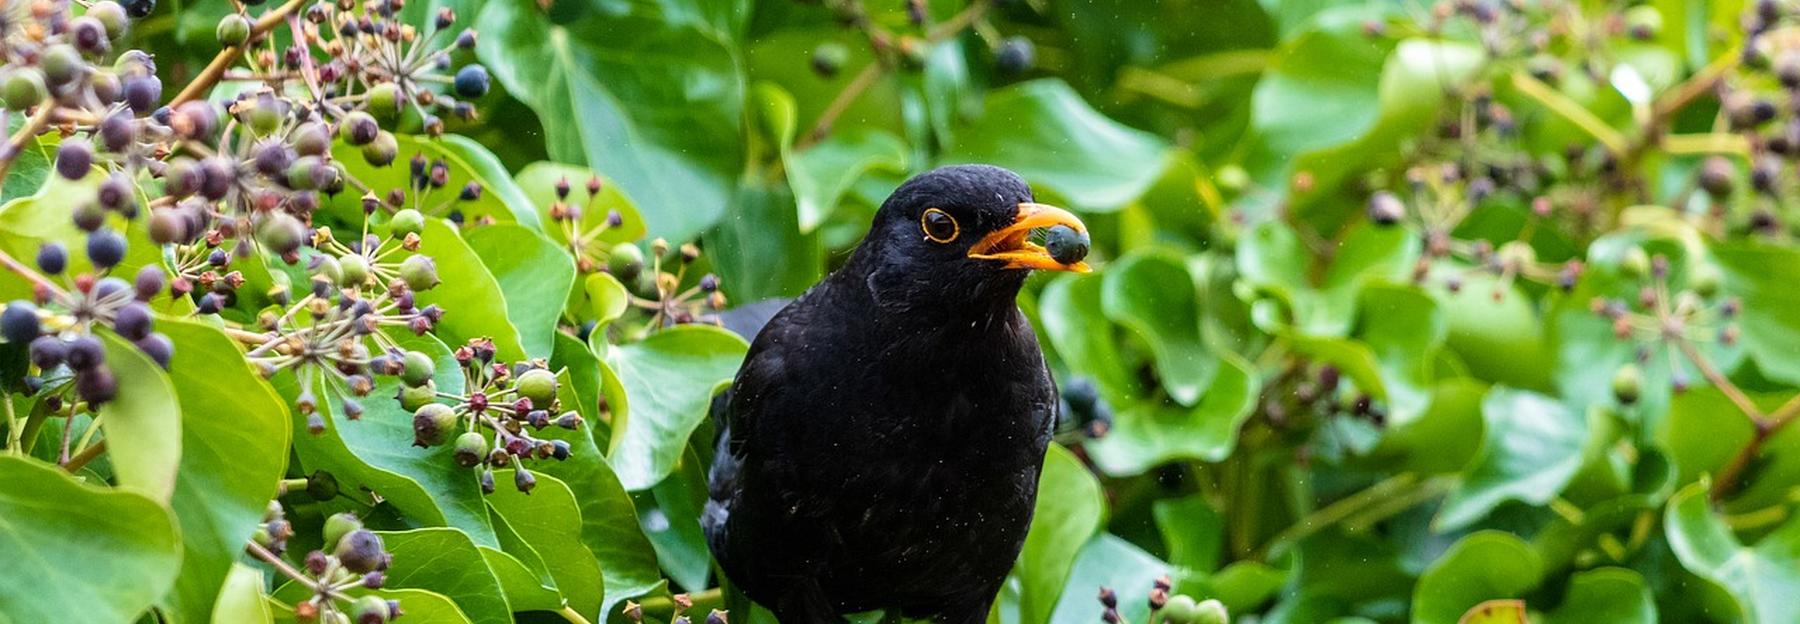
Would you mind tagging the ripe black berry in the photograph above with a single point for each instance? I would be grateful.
(47, 352)
(52, 258)
(85, 352)
(1016, 56)
(143, 94)
(361, 551)
(148, 282)
(96, 385)
(138, 8)
(158, 347)
(105, 248)
(74, 159)
(472, 81)
(19, 322)
(1066, 245)
(133, 321)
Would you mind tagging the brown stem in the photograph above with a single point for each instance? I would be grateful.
(16, 142)
(86, 455)
(1729, 476)
(844, 98)
(1718, 380)
(216, 69)
(24, 271)
(948, 28)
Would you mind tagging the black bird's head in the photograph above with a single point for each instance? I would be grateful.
(957, 236)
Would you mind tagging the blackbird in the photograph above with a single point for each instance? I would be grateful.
(881, 445)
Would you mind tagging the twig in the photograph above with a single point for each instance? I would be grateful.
(216, 69)
(1570, 110)
(844, 98)
(16, 142)
(86, 455)
(948, 28)
(573, 616)
(1718, 380)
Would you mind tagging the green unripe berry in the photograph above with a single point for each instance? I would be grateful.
(24, 88)
(233, 30)
(263, 116)
(384, 101)
(625, 261)
(1517, 253)
(419, 272)
(1703, 278)
(1635, 264)
(1211, 611)
(433, 423)
(328, 269)
(417, 368)
(829, 58)
(1181, 609)
(471, 449)
(539, 385)
(1628, 384)
(414, 398)
(340, 524)
(406, 221)
(353, 270)
(1643, 22)
(61, 64)
(358, 128)
(381, 151)
(369, 610)
(112, 16)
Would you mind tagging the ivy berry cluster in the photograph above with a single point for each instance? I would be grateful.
(489, 424)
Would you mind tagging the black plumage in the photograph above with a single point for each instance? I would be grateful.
(880, 447)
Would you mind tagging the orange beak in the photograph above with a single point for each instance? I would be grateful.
(1013, 246)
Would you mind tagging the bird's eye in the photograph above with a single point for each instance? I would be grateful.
(939, 226)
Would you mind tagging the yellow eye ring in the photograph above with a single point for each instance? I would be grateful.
(934, 222)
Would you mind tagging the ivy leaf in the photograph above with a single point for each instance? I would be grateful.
(1046, 133)
(1272, 259)
(1764, 276)
(650, 94)
(234, 440)
(543, 518)
(445, 561)
(124, 546)
(534, 276)
(671, 377)
(1606, 595)
(1070, 507)
(1153, 294)
(1072, 319)
(1704, 432)
(467, 161)
(1108, 561)
(241, 598)
(1534, 445)
(142, 423)
(467, 293)
(1761, 578)
(1480, 566)
(760, 252)
(821, 173)
(1146, 435)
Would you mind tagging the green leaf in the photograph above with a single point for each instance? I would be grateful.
(673, 523)
(446, 562)
(671, 377)
(424, 484)
(1606, 595)
(27, 222)
(1764, 277)
(79, 553)
(1146, 435)
(608, 297)
(538, 182)
(234, 441)
(1705, 431)
(652, 95)
(1193, 532)
(1070, 507)
(544, 518)
(469, 294)
(1108, 561)
(241, 598)
(609, 524)
(1044, 131)
(1447, 435)
(523, 584)
(1762, 578)
(467, 162)
(760, 252)
(142, 423)
(29, 169)
(822, 172)
(422, 605)
(1272, 259)
(1533, 447)
(534, 275)
(1072, 319)
(1480, 566)
(1153, 294)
